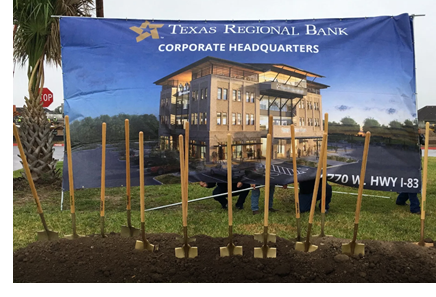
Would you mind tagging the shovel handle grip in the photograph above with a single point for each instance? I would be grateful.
(294, 167)
(267, 178)
(103, 167)
(182, 178)
(362, 176)
(324, 164)
(141, 175)
(127, 139)
(229, 179)
(27, 170)
(70, 164)
(318, 174)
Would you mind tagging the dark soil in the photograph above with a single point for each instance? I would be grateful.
(94, 259)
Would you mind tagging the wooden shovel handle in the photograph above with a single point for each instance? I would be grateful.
(103, 167)
(318, 174)
(70, 164)
(27, 170)
(186, 168)
(127, 137)
(182, 178)
(324, 164)
(362, 177)
(267, 178)
(424, 173)
(229, 179)
(294, 166)
(141, 175)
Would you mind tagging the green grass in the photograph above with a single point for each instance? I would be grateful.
(380, 218)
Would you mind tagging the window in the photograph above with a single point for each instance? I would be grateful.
(201, 118)
(205, 118)
(205, 93)
(201, 94)
(195, 118)
(234, 95)
(239, 95)
(233, 118)
(247, 97)
(224, 118)
(252, 119)
(218, 118)
(247, 119)
(220, 91)
(252, 97)
(224, 94)
(192, 119)
(239, 119)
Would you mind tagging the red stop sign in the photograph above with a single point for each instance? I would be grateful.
(46, 97)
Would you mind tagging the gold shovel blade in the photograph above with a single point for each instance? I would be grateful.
(192, 252)
(271, 252)
(47, 235)
(225, 251)
(322, 235)
(270, 237)
(359, 248)
(426, 244)
(141, 246)
(301, 246)
(73, 236)
(127, 231)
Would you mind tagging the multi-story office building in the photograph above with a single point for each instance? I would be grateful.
(218, 97)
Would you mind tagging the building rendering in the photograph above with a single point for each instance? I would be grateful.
(218, 97)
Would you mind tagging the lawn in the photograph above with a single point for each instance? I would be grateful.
(380, 218)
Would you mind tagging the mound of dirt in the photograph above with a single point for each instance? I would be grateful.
(114, 259)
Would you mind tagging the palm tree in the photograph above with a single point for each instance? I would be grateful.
(36, 41)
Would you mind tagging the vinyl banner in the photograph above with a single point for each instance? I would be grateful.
(229, 77)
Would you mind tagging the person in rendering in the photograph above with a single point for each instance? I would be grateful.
(221, 188)
(412, 197)
(306, 191)
(255, 194)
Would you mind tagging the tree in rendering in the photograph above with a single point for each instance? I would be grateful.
(37, 41)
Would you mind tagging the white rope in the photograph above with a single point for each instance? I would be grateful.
(203, 198)
(247, 189)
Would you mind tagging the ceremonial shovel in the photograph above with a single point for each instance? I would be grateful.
(230, 249)
(71, 180)
(324, 179)
(265, 251)
(424, 188)
(354, 248)
(103, 175)
(186, 251)
(129, 230)
(307, 246)
(144, 244)
(45, 235)
(294, 166)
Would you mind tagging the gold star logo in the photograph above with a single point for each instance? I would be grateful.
(143, 33)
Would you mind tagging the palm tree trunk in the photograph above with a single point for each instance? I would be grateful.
(35, 133)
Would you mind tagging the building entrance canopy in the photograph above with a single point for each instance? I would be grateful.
(277, 89)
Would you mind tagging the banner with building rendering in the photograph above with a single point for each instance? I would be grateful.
(228, 77)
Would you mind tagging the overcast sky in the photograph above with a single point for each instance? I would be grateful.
(253, 10)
